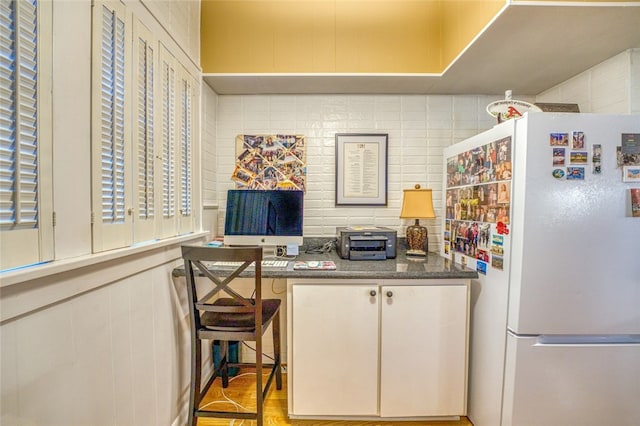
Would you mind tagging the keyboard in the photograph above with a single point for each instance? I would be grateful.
(264, 264)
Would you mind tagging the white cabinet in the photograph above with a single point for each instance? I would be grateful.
(334, 343)
(388, 348)
(423, 350)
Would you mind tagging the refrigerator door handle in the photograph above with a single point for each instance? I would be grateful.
(595, 339)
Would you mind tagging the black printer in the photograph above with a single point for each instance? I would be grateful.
(366, 243)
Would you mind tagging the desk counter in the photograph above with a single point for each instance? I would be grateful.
(394, 333)
(433, 266)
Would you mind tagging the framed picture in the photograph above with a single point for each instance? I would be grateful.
(631, 174)
(361, 169)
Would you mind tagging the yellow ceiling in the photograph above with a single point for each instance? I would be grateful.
(419, 46)
(339, 36)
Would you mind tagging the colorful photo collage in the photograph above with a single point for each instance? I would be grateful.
(478, 194)
(571, 165)
(270, 162)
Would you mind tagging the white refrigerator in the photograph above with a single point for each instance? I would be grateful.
(542, 207)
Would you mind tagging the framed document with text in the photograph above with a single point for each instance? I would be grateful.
(361, 169)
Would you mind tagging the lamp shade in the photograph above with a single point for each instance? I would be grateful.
(417, 204)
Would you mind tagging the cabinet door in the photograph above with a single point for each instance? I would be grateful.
(423, 350)
(335, 350)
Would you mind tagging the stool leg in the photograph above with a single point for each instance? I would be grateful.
(276, 349)
(224, 360)
(259, 396)
(196, 373)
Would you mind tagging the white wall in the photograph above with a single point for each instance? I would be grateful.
(634, 59)
(611, 87)
(96, 339)
(210, 216)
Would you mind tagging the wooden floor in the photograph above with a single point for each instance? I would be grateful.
(241, 390)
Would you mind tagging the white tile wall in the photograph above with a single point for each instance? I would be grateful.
(611, 87)
(635, 81)
(208, 153)
(419, 127)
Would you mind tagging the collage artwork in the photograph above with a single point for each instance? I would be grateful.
(479, 194)
(270, 162)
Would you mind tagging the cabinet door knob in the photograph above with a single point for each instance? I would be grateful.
(372, 293)
(389, 294)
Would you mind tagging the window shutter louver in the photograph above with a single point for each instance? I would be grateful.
(112, 140)
(145, 225)
(186, 142)
(145, 135)
(168, 140)
(8, 111)
(27, 233)
(185, 146)
(111, 132)
(19, 126)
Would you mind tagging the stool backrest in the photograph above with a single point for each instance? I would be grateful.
(196, 259)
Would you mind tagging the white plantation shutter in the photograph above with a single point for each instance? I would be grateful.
(144, 132)
(112, 113)
(185, 147)
(168, 134)
(111, 139)
(26, 231)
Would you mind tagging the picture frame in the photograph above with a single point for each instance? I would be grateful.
(361, 169)
(631, 173)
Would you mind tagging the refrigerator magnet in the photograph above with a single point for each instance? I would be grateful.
(577, 140)
(578, 157)
(559, 139)
(575, 173)
(558, 156)
(497, 262)
(596, 158)
(481, 267)
(558, 173)
(482, 255)
(631, 174)
(497, 245)
(635, 202)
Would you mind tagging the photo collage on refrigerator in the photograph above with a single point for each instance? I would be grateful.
(478, 196)
(576, 159)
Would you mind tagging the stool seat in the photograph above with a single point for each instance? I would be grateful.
(237, 321)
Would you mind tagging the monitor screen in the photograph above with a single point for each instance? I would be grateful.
(263, 217)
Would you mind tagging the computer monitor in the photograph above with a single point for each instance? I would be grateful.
(263, 217)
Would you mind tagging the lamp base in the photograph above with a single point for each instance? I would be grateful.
(416, 253)
(416, 239)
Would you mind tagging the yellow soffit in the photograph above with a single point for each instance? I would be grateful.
(504, 51)
(348, 36)
(339, 36)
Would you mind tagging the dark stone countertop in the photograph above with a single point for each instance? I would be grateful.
(433, 266)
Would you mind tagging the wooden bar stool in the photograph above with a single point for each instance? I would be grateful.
(234, 318)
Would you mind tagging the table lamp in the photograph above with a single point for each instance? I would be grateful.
(417, 204)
